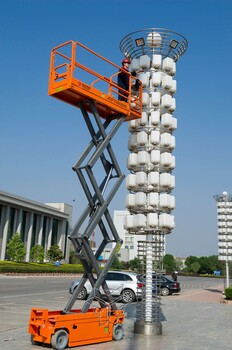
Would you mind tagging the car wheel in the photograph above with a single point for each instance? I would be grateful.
(59, 339)
(128, 296)
(83, 294)
(118, 332)
(164, 291)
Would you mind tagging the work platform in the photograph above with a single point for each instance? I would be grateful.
(75, 83)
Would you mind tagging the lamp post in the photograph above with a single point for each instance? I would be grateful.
(153, 53)
(224, 216)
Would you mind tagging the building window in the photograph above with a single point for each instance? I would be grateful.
(44, 232)
(33, 236)
(54, 232)
(23, 227)
(11, 224)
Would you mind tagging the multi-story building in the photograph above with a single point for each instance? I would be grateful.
(45, 224)
(130, 241)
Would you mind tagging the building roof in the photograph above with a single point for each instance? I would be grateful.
(17, 201)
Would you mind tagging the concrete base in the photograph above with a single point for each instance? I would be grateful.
(147, 328)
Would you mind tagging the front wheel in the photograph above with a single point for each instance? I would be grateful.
(164, 291)
(118, 332)
(128, 296)
(59, 339)
(82, 295)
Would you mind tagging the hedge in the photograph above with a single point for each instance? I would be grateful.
(14, 267)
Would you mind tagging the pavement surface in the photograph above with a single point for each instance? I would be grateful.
(195, 319)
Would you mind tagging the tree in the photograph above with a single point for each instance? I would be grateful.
(215, 263)
(134, 263)
(205, 265)
(15, 248)
(195, 267)
(73, 259)
(189, 261)
(37, 254)
(117, 264)
(169, 263)
(54, 253)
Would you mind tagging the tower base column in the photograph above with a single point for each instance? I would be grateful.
(147, 328)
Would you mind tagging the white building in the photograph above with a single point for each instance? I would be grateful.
(130, 241)
(129, 249)
(45, 224)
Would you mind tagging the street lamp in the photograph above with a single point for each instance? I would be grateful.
(224, 216)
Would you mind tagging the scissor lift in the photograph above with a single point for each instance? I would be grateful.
(74, 327)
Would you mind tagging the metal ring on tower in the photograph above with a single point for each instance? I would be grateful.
(150, 41)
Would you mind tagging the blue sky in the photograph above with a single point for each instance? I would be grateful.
(41, 137)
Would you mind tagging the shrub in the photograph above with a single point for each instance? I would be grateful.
(37, 254)
(15, 248)
(54, 253)
(228, 293)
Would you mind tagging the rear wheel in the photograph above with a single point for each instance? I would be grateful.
(59, 339)
(83, 294)
(164, 291)
(128, 296)
(118, 332)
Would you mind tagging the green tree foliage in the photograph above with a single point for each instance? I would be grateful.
(15, 248)
(195, 267)
(117, 264)
(54, 253)
(134, 263)
(73, 259)
(189, 261)
(228, 293)
(215, 263)
(37, 254)
(169, 263)
(203, 264)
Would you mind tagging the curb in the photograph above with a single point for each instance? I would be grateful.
(226, 301)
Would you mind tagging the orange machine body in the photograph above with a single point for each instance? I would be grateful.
(73, 82)
(94, 326)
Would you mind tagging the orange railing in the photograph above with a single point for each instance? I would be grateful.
(86, 77)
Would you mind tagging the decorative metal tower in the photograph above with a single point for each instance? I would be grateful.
(224, 216)
(154, 53)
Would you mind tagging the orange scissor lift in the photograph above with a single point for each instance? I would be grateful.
(94, 94)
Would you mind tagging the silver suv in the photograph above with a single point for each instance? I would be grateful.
(121, 284)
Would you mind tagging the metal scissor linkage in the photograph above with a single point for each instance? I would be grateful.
(99, 195)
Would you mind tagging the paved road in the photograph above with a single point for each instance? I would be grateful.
(195, 318)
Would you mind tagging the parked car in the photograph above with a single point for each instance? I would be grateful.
(162, 284)
(124, 285)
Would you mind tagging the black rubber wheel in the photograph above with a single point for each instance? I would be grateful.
(59, 339)
(83, 294)
(33, 342)
(118, 332)
(127, 296)
(164, 291)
